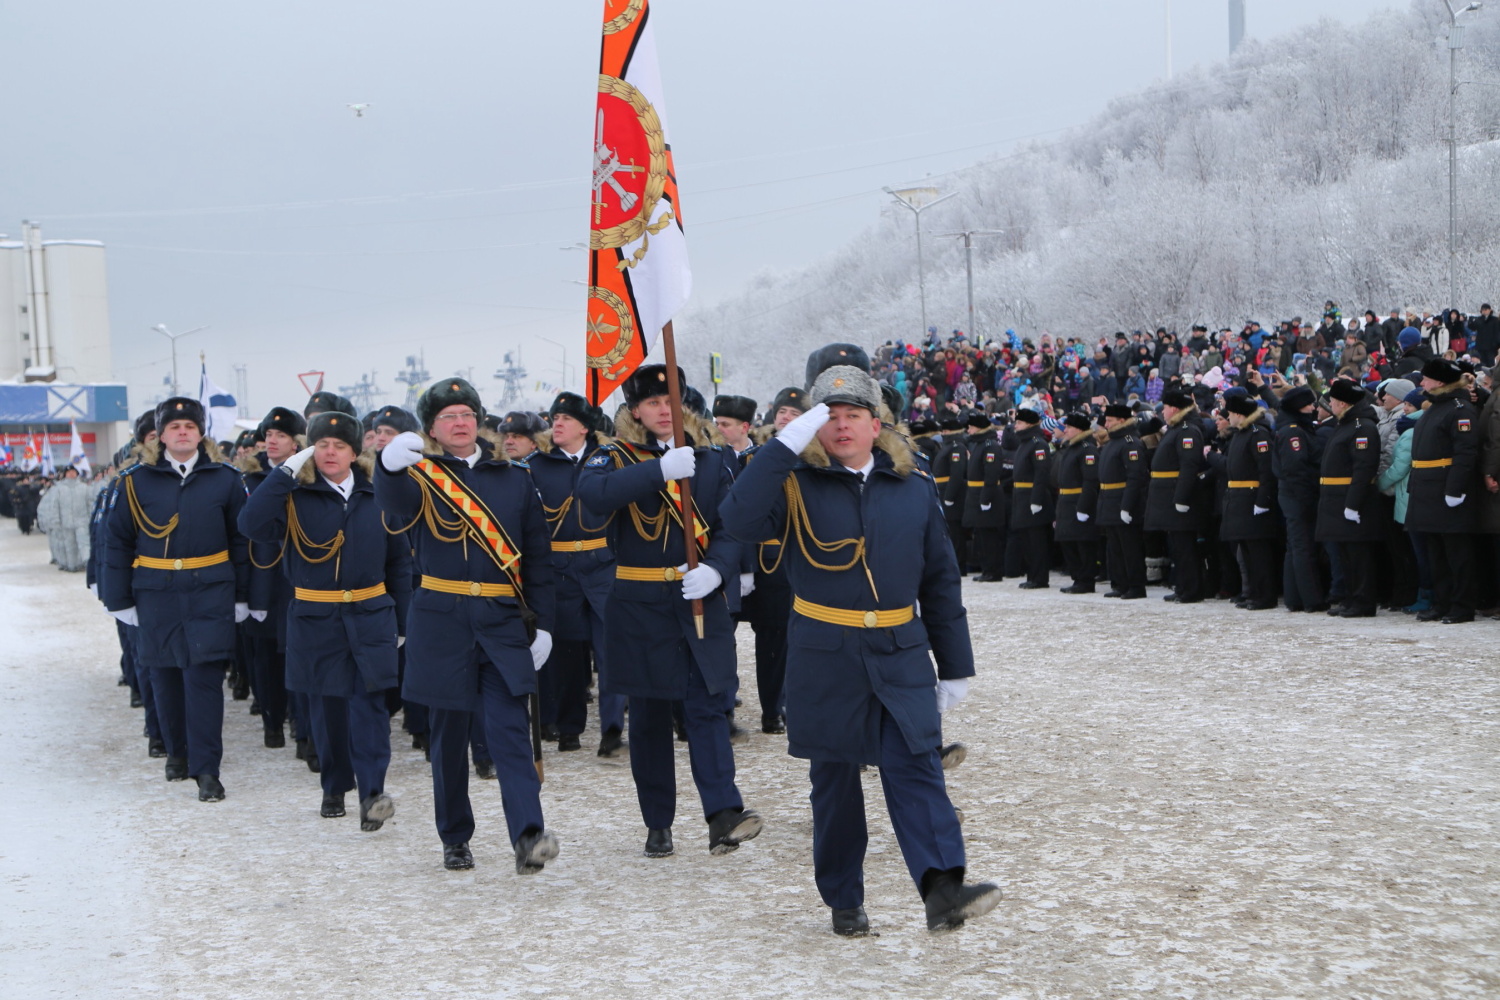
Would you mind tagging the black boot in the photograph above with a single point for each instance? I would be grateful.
(313, 764)
(772, 724)
(729, 828)
(568, 741)
(275, 737)
(659, 843)
(177, 769)
(953, 755)
(209, 789)
(333, 805)
(302, 749)
(456, 857)
(135, 699)
(950, 902)
(374, 811)
(851, 922)
(157, 747)
(610, 743)
(533, 850)
(485, 769)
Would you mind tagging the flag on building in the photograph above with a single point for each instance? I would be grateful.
(77, 457)
(219, 408)
(638, 265)
(44, 449)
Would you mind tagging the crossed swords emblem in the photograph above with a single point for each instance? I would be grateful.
(606, 165)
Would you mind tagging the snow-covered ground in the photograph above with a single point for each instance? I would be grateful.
(1179, 802)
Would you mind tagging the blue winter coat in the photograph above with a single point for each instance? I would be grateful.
(186, 615)
(446, 634)
(584, 578)
(838, 678)
(652, 639)
(339, 648)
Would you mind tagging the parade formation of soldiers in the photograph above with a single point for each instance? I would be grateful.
(482, 575)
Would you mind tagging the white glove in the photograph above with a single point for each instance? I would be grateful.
(294, 464)
(241, 612)
(1182, 508)
(400, 641)
(747, 584)
(1454, 501)
(259, 616)
(799, 433)
(679, 463)
(126, 615)
(1125, 517)
(1350, 514)
(950, 693)
(984, 506)
(541, 648)
(947, 503)
(403, 450)
(94, 589)
(1082, 516)
(1036, 508)
(1257, 511)
(699, 582)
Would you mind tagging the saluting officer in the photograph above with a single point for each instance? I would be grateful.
(177, 566)
(1124, 477)
(1075, 477)
(585, 572)
(656, 656)
(1350, 506)
(1443, 499)
(1251, 499)
(860, 684)
(1299, 456)
(1032, 504)
(485, 561)
(1174, 503)
(351, 583)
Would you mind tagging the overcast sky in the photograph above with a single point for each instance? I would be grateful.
(209, 145)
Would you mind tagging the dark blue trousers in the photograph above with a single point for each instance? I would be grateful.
(268, 678)
(127, 656)
(565, 683)
(354, 742)
(922, 817)
(190, 707)
(1301, 578)
(143, 680)
(652, 751)
(507, 727)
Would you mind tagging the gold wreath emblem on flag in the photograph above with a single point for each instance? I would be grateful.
(637, 202)
(609, 315)
(625, 18)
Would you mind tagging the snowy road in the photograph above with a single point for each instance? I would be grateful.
(1179, 802)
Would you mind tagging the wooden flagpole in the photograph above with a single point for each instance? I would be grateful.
(685, 486)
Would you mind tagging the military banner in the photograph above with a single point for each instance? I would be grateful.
(638, 265)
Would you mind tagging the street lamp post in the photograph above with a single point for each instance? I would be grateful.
(564, 349)
(1455, 42)
(161, 328)
(917, 210)
(968, 237)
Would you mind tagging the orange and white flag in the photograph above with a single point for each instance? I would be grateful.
(638, 264)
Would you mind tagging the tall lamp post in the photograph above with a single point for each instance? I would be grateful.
(161, 328)
(564, 349)
(1455, 42)
(968, 238)
(917, 210)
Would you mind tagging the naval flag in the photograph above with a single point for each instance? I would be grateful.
(219, 408)
(44, 448)
(638, 265)
(77, 457)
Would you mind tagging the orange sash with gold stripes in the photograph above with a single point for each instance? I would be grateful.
(481, 525)
(672, 494)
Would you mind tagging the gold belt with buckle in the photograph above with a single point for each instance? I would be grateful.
(1431, 463)
(1336, 481)
(853, 619)
(1244, 484)
(191, 562)
(974, 484)
(1111, 486)
(648, 574)
(1070, 491)
(464, 588)
(587, 545)
(338, 596)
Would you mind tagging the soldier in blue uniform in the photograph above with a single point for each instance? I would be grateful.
(656, 655)
(865, 544)
(177, 566)
(1123, 478)
(1033, 504)
(1075, 480)
(585, 573)
(1176, 501)
(270, 596)
(351, 583)
(481, 545)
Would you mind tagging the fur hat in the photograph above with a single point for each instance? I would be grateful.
(829, 355)
(924, 425)
(949, 421)
(647, 381)
(1119, 411)
(847, 384)
(979, 420)
(1026, 415)
(892, 399)
(180, 408)
(790, 396)
(444, 393)
(693, 401)
(1297, 399)
(288, 422)
(1079, 421)
(396, 418)
(1438, 369)
(323, 401)
(1177, 399)
(1243, 405)
(735, 408)
(573, 405)
(522, 422)
(144, 424)
(247, 439)
(1346, 391)
(336, 424)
